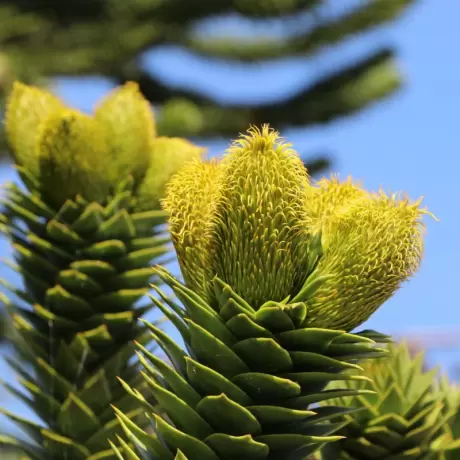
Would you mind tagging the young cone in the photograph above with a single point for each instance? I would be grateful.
(83, 245)
(258, 359)
(409, 416)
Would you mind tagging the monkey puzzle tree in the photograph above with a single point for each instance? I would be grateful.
(85, 225)
(278, 273)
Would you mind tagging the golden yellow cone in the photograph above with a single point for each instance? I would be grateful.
(128, 120)
(168, 155)
(27, 107)
(370, 247)
(71, 149)
(190, 200)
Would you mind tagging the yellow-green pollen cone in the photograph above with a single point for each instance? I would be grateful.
(64, 153)
(256, 221)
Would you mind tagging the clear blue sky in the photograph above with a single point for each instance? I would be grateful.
(410, 142)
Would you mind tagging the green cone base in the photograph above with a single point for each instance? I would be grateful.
(249, 385)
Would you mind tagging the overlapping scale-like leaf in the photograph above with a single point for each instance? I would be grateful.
(249, 382)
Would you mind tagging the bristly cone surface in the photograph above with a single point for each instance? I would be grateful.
(255, 221)
(409, 415)
(275, 278)
(85, 229)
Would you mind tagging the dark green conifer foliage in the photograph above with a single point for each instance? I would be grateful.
(47, 38)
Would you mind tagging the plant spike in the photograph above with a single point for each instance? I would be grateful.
(84, 236)
(255, 257)
(410, 415)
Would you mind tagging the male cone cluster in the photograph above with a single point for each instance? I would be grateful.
(255, 221)
(277, 272)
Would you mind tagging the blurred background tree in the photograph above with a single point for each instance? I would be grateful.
(41, 39)
(3, 327)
